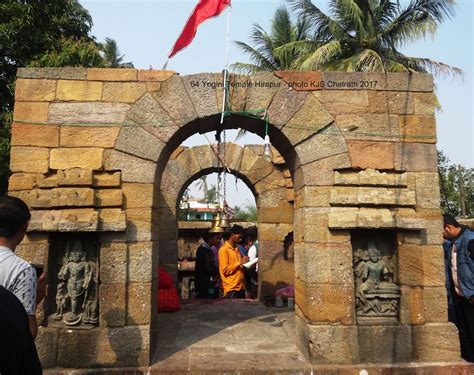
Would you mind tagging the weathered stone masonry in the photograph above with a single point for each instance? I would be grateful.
(92, 151)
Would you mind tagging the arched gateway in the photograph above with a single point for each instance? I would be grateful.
(90, 149)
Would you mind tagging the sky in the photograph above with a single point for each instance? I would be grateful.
(145, 31)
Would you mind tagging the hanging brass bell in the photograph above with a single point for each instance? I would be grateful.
(215, 228)
(224, 221)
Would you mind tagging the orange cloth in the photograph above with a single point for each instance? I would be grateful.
(231, 272)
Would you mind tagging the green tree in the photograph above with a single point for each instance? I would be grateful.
(247, 213)
(265, 54)
(111, 55)
(455, 182)
(37, 33)
(212, 195)
(364, 36)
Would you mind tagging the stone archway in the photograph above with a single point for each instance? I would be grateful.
(90, 148)
(270, 183)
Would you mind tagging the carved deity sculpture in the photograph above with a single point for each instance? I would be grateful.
(77, 288)
(376, 293)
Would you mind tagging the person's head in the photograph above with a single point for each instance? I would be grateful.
(236, 234)
(212, 238)
(14, 219)
(451, 227)
(251, 233)
(226, 235)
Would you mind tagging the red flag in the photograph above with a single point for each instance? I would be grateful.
(204, 9)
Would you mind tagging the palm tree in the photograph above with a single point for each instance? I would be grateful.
(365, 35)
(266, 54)
(111, 55)
(358, 35)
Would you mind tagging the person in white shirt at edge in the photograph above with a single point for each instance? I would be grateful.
(17, 275)
(252, 243)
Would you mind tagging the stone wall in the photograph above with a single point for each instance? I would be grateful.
(93, 151)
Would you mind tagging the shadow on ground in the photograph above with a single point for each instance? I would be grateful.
(230, 335)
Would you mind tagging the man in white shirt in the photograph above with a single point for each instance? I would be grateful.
(17, 275)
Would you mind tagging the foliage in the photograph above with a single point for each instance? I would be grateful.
(247, 213)
(265, 55)
(211, 195)
(450, 177)
(111, 55)
(184, 209)
(47, 33)
(357, 36)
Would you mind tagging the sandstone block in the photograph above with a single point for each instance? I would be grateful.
(142, 258)
(139, 303)
(370, 177)
(149, 113)
(35, 135)
(375, 347)
(264, 87)
(233, 156)
(320, 172)
(327, 344)
(434, 304)
(425, 103)
(395, 103)
(346, 81)
(437, 342)
(326, 303)
(285, 104)
(67, 220)
(38, 90)
(411, 306)
(52, 73)
(108, 198)
(22, 181)
(312, 225)
(74, 177)
(136, 141)
(369, 126)
(323, 263)
(418, 128)
(58, 197)
(433, 266)
(138, 195)
(153, 86)
(133, 168)
(313, 196)
(155, 75)
(127, 92)
(364, 196)
(282, 214)
(273, 181)
(29, 159)
(47, 346)
(139, 224)
(79, 91)
(110, 74)
(113, 263)
(68, 158)
(301, 81)
(416, 157)
(175, 99)
(89, 136)
(427, 190)
(112, 302)
(203, 97)
(89, 112)
(376, 155)
(31, 112)
(108, 179)
(347, 101)
(124, 346)
(112, 220)
(273, 232)
(327, 142)
(49, 180)
(410, 265)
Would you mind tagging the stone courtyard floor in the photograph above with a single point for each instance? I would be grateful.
(228, 335)
(245, 338)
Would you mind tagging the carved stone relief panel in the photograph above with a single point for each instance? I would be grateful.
(74, 277)
(375, 273)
